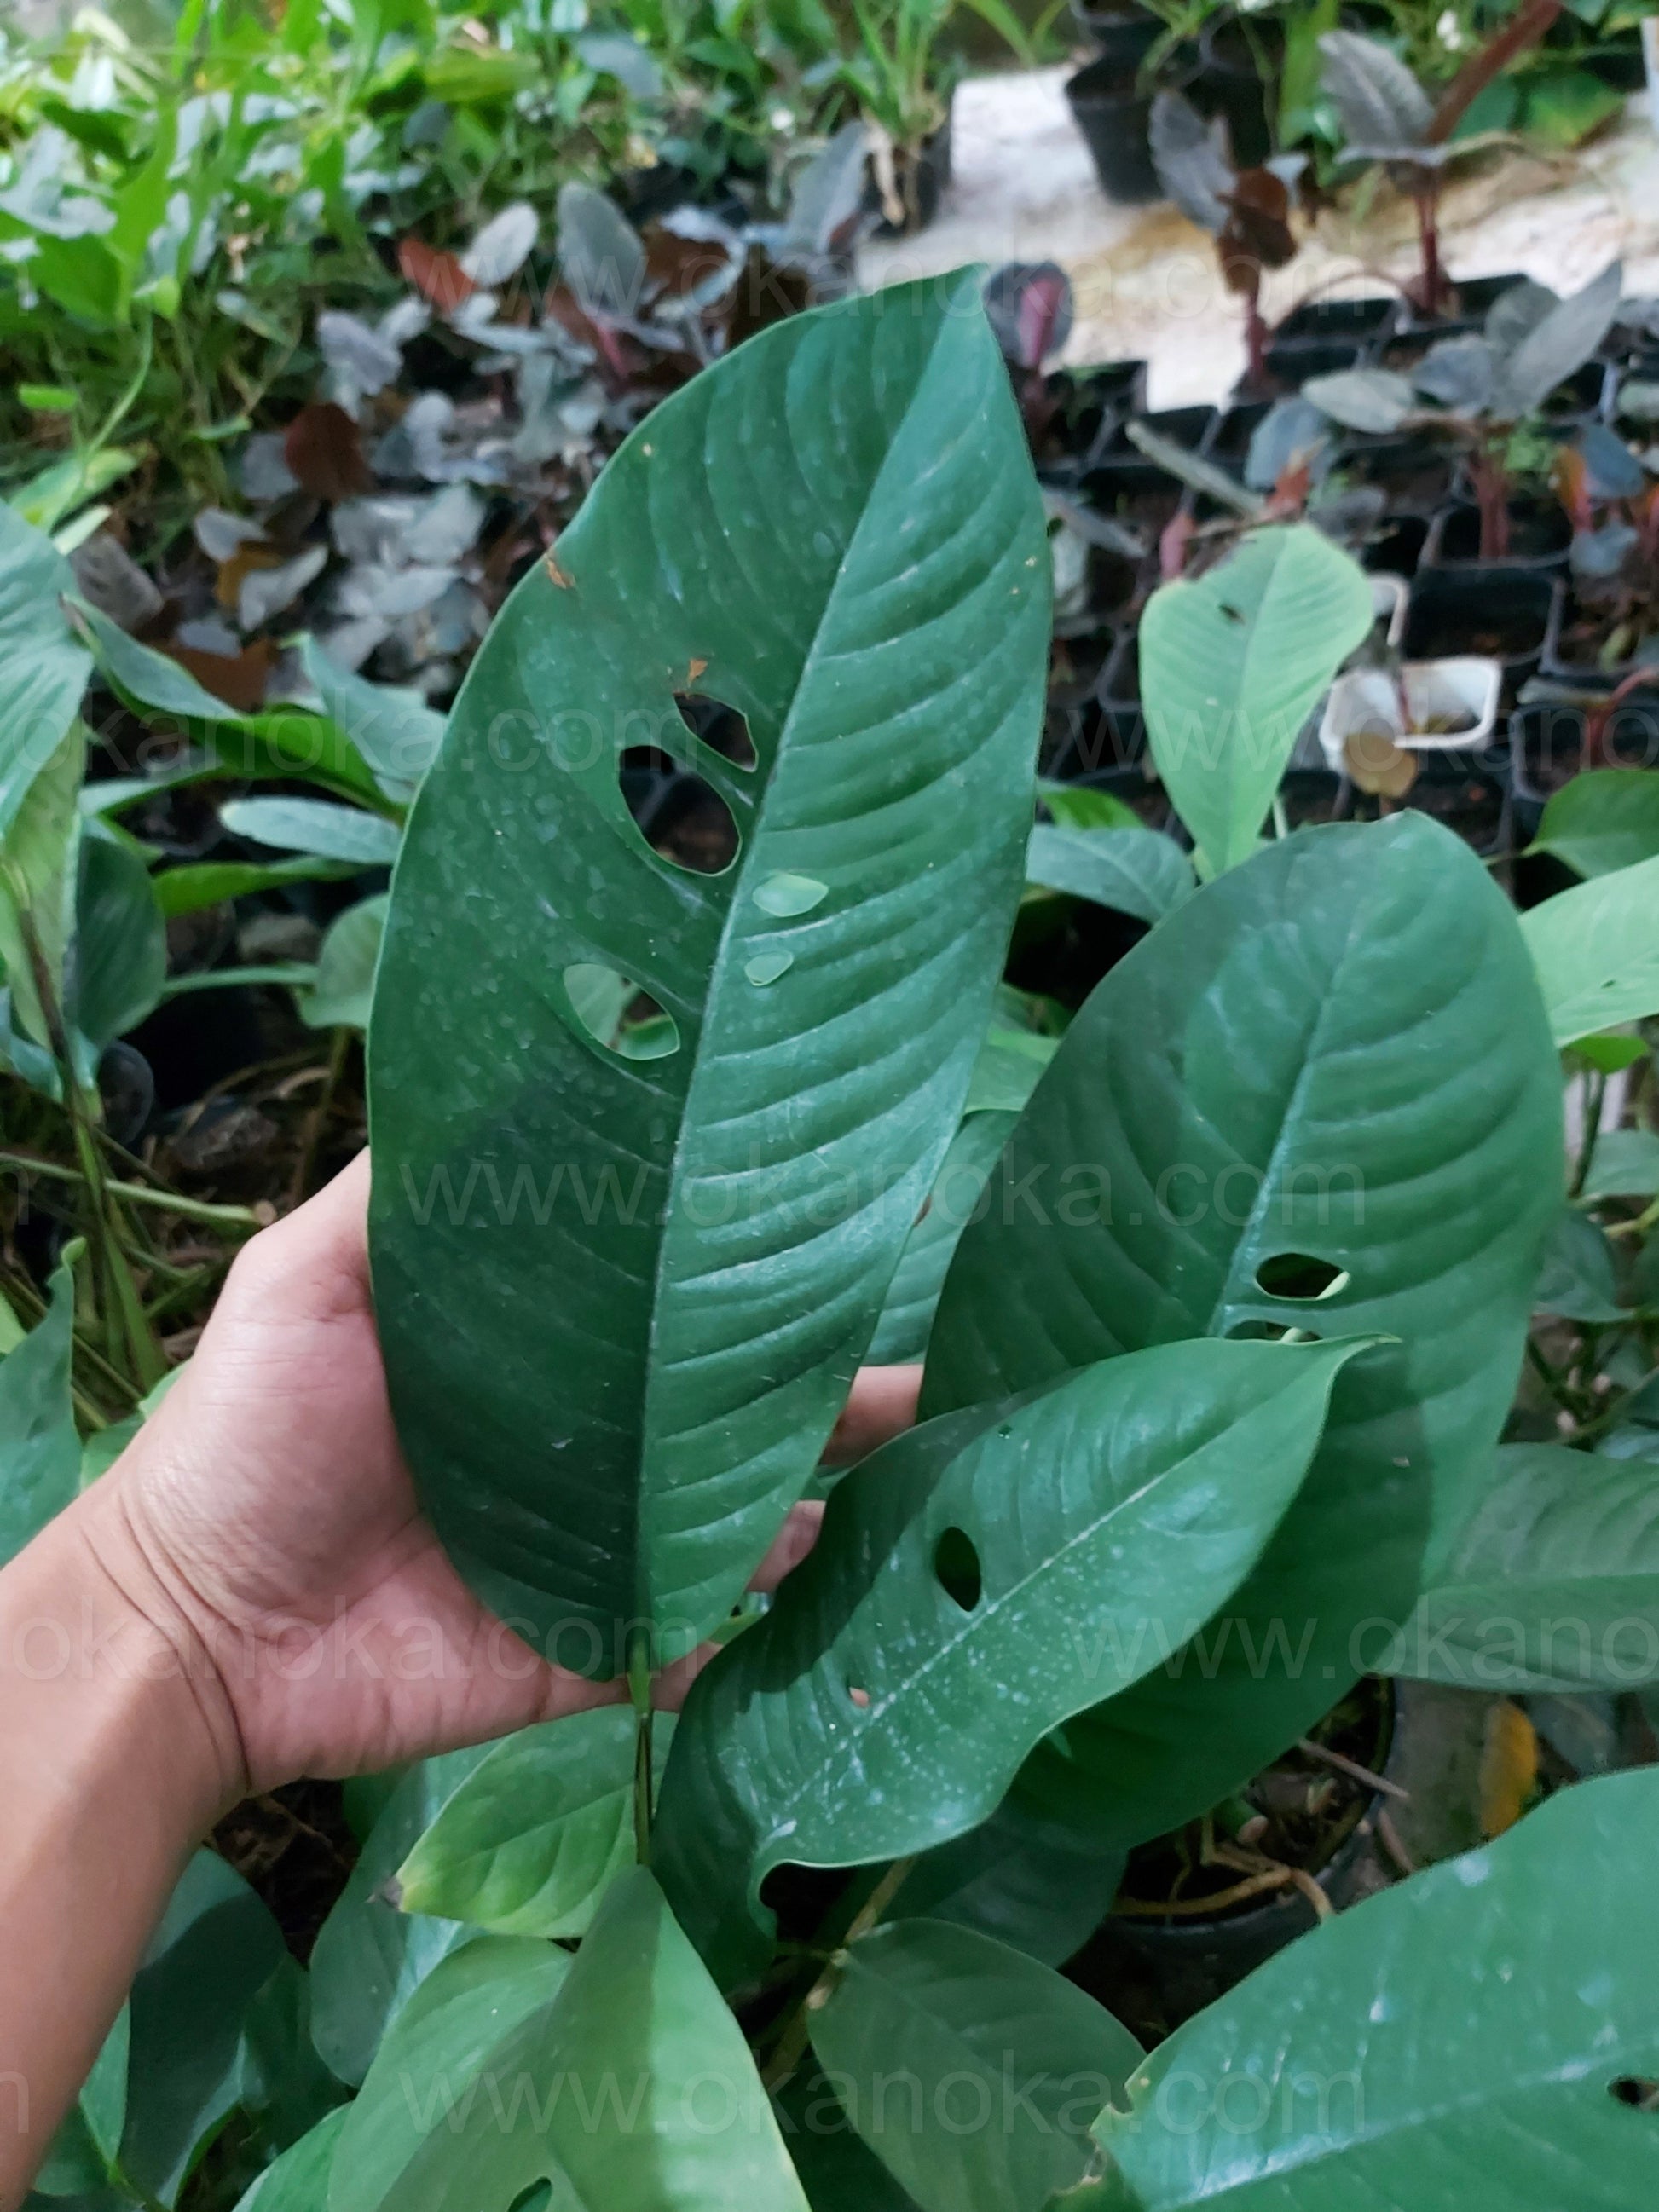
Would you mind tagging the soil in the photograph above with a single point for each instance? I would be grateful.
(1473, 806)
(294, 1849)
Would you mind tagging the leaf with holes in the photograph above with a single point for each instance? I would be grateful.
(622, 1289)
(1553, 1585)
(1321, 1094)
(977, 1582)
(1232, 665)
(1314, 2082)
(1596, 953)
(996, 2060)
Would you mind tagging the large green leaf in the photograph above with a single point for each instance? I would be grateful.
(994, 2060)
(39, 1450)
(1456, 2041)
(977, 1581)
(440, 2060)
(118, 963)
(43, 669)
(283, 741)
(629, 2087)
(216, 1948)
(837, 2171)
(1597, 952)
(907, 1317)
(1038, 1884)
(317, 827)
(533, 1838)
(369, 1959)
(39, 852)
(1138, 872)
(1603, 821)
(1554, 1585)
(298, 2180)
(395, 731)
(1335, 1055)
(343, 994)
(621, 1300)
(1232, 666)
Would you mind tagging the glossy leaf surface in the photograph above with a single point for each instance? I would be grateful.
(533, 1838)
(39, 1447)
(1597, 952)
(1328, 1073)
(996, 2059)
(621, 1299)
(628, 2087)
(43, 668)
(1232, 666)
(1554, 1583)
(1453, 2042)
(977, 1582)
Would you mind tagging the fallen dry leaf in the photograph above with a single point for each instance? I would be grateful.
(323, 448)
(1379, 766)
(435, 275)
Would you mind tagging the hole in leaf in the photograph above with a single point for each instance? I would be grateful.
(1643, 2096)
(1269, 1332)
(537, 2198)
(860, 1698)
(1298, 1275)
(718, 726)
(955, 1562)
(617, 1014)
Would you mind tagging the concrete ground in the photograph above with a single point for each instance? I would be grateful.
(1145, 279)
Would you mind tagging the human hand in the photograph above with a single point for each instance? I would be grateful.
(265, 1521)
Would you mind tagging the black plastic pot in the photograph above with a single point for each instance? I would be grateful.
(1159, 1973)
(1107, 742)
(1476, 296)
(1359, 322)
(1546, 751)
(1123, 482)
(1090, 405)
(1313, 794)
(1502, 613)
(1468, 792)
(1415, 475)
(1292, 361)
(1563, 662)
(1113, 114)
(1230, 446)
(1540, 536)
(1230, 82)
(1397, 549)
(1125, 35)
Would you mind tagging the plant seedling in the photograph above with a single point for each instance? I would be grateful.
(1388, 116)
(1246, 211)
(1480, 387)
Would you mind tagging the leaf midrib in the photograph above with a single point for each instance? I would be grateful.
(739, 880)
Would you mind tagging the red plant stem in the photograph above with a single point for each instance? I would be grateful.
(1256, 334)
(1596, 723)
(1433, 289)
(1477, 72)
(1491, 493)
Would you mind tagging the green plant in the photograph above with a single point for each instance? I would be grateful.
(902, 78)
(1387, 116)
(1185, 1447)
(1483, 388)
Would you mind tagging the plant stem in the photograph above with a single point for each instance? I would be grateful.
(1595, 1091)
(791, 2046)
(638, 1686)
(164, 1201)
